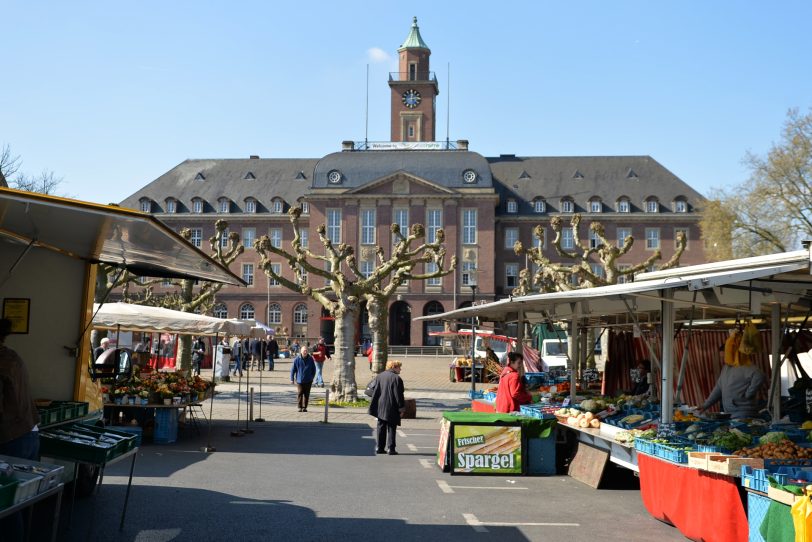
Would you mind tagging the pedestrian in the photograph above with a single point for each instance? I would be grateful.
(294, 348)
(198, 354)
(273, 352)
(511, 393)
(257, 353)
(245, 351)
(302, 373)
(388, 405)
(237, 357)
(320, 355)
(18, 421)
(104, 344)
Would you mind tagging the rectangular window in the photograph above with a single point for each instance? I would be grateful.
(652, 238)
(225, 205)
(305, 208)
(250, 206)
(224, 239)
(248, 273)
(166, 283)
(171, 206)
(367, 226)
(434, 222)
(567, 241)
(196, 237)
(511, 206)
(304, 236)
(303, 274)
(684, 232)
(594, 240)
(412, 71)
(597, 269)
(595, 206)
(468, 273)
(431, 267)
(400, 217)
(511, 275)
(334, 225)
(275, 236)
(623, 206)
(538, 206)
(622, 234)
(469, 219)
(248, 236)
(652, 206)
(411, 131)
(540, 243)
(197, 206)
(567, 206)
(624, 278)
(367, 267)
(277, 269)
(511, 236)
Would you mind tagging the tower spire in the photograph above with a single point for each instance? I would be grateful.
(414, 40)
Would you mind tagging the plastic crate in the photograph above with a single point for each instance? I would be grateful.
(645, 446)
(166, 426)
(8, 487)
(52, 445)
(27, 487)
(69, 409)
(51, 474)
(676, 453)
(135, 430)
(49, 415)
(757, 506)
(81, 408)
(755, 479)
(125, 441)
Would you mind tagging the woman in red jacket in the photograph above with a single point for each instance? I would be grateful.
(511, 392)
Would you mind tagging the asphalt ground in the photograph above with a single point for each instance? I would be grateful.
(298, 478)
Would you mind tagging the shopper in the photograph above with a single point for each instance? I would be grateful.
(198, 354)
(388, 405)
(302, 373)
(258, 353)
(273, 351)
(321, 354)
(236, 355)
(104, 344)
(511, 392)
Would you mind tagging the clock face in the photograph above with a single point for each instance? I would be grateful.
(469, 176)
(411, 98)
(334, 176)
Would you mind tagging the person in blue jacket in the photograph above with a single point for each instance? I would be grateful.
(302, 373)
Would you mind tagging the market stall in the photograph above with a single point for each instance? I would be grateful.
(770, 288)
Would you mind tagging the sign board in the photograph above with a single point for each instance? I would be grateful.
(486, 449)
(588, 465)
(442, 450)
(406, 146)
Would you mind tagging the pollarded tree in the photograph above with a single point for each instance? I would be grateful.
(577, 262)
(185, 297)
(401, 268)
(345, 286)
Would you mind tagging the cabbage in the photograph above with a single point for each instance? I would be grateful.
(772, 437)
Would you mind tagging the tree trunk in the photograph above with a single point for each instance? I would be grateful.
(344, 386)
(183, 361)
(378, 324)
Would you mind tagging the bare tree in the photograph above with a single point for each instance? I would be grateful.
(345, 285)
(44, 183)
(9, 165)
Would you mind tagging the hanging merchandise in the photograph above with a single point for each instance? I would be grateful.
(802, 518)
(751, 340)
(732, 348)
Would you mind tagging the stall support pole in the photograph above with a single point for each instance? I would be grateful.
(520, 333)
(667, 389)
(208, 448)
(774, 401)
(576, 355)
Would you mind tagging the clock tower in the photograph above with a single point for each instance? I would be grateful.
(414, 91)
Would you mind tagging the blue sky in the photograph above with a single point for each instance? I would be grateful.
(110, 95)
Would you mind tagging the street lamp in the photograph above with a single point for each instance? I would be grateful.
(473, 340)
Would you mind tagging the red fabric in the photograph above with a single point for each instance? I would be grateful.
(511, 393)
(322, 351)
(704, 506)
(481, 406)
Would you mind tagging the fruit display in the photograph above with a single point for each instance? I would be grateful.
(785, 449)
(680, 416)
(584, 420)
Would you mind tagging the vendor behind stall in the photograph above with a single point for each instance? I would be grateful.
(511, 392)
(18, 417)
(640, 378)
(738, 383)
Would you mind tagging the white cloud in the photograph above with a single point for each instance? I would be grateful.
(377, 55)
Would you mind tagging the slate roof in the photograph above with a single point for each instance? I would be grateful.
(584, 177)
(286, 178)
(444, 168)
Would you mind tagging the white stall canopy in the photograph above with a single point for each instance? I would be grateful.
(129, 317)
(103, 233)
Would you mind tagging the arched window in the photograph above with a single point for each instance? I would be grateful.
(274, 313)
(300, 314)
(429, 326)
(246, 311)
(595, 205)
(171, 205)
(652, 205)
(250, 205)
(278, 206)
(680, 205)
(567, 206)
(225, 205)
(220, 311)
(624, 205)
(197, 205)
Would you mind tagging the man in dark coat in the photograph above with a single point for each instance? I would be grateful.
(273, 351)
(258, 353)
(198, 354)
(388, 405)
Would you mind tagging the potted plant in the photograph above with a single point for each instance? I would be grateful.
(144, 396)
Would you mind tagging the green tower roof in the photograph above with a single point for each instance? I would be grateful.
(413, 40)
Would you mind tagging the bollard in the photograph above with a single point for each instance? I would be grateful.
(326, 403)
(251, 403)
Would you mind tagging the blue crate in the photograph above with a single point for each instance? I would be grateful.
(489, 396)
(675, 453)
(541, 455)
(757, 506)
(475, 394)
(755, 479)
(645, 446)
(166, 426)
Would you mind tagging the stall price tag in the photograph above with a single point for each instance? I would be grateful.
(565, 402)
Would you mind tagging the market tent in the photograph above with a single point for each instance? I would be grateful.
(104, 233)
(130, 317)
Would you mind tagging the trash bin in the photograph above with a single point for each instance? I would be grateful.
(410, 409)
(459, 373)
(541, 455)
(222, 360)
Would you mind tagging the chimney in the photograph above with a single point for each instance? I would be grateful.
(462, 144)
(347, 146)
(254, 157)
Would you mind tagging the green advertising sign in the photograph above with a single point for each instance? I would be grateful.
(487, 449)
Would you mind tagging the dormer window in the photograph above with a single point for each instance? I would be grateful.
(511, 206)
(197, 206)
(595, 205)
(539, 205)
(278, 206)
(567, 206)
(224, 205)
(624, 205)
(250, 205)
(680, 206)
(145, 205)
(305, 207)
(172, 205)
(200, 177)
(652, 205)
(249, 176)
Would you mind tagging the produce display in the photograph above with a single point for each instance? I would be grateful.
(784, 449)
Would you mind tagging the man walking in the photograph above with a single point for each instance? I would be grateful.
(388, 405)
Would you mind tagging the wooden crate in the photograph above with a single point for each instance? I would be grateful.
(782, 496)
(699, 460)
(731, 465)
